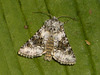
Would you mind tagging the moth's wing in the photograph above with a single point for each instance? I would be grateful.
(63, 52)
(34, 46)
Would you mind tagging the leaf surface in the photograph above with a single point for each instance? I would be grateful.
(15, 14)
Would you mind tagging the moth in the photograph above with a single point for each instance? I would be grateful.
(51, 41)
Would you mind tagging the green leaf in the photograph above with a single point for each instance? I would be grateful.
(15, 14)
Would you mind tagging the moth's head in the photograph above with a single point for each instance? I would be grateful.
(53, 25)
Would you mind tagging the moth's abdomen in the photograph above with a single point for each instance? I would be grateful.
(49, 48)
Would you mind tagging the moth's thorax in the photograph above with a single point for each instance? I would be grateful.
(49, 47)
(53, 25)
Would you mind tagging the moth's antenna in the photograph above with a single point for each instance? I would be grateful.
(66, 22)
(45, 14)
(67, 17)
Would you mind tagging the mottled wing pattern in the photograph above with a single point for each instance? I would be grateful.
(63, 52)
(51, 41)
(34, 46)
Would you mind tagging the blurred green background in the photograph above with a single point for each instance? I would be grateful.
(15, 14)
